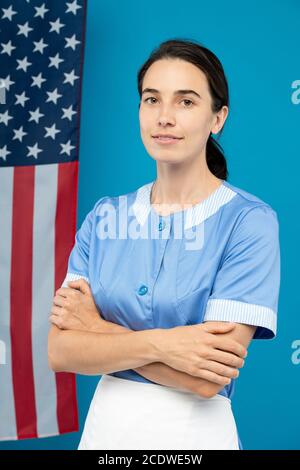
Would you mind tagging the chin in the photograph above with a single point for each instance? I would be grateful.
(166, 157)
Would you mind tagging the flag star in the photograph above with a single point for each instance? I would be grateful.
(4, 152)
(5, 117)
(53, 96)
(7, 48)
(66, 148)
(68, 113)
(23, 64)
(37, 80)
(6, 82)
(40, 11)
(21, 99)
(24, 29)
(51, 131)
(72, 42)
(56, 26)
(39, 46)
(73, 7)
(70, 77)
(55, 61)
(33, 151)
(35, 115)
(19, 134)
(8, 13)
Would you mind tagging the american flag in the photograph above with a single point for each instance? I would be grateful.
(41, 58)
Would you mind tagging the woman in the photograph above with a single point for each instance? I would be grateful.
(167, 317)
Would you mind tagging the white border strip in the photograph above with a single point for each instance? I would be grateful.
(241, 312)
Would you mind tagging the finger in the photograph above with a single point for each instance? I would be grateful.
(56, 321)
(69, 295)
(212, 377)
(63, 291)
(221, 369)
(59, 300)
(229, 345)
(218, 327)
(226, 358)
(56, 310)
(81, 285)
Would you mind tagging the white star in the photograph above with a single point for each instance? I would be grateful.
(53, 96)
(24, 29)
(68, 113)
(7, 48)
(19, 134)
(70, 77)
(40, 11)
(72, 7)
(35, 115)
(4, 152)
(6, 82)
(66, 148)
(5, 117)
(51, 131)
(72, 42)
(55, 61)
(37, 80)
(23, 64)
(56, 26)
(40, 46)
(21, 99)
(34, 150)
(8, 13)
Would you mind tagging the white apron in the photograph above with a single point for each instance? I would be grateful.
(126, 414)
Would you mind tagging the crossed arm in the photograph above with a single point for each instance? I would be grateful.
(78, 346)
(163, 374)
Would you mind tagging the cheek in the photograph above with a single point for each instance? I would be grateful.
(145, 119)
(197, 127)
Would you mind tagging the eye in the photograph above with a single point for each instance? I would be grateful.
(150, 98)
(189, 101)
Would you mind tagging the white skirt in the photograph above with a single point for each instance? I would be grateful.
(131, 415)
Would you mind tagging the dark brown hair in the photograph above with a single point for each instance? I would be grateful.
(209, 64)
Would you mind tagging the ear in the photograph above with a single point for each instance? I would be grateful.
(220, 118)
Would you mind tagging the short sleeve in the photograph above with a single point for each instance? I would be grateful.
(78, 262)
(246, 287)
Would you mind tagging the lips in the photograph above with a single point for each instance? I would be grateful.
(166, 139)
(166, 136)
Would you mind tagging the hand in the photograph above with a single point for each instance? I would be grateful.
(203, 350)
(74, 307)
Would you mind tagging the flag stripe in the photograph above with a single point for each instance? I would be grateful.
(21, 301)
(64, 241)
(43, 292)
(7, 412)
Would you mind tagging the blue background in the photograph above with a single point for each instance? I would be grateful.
(258, 45)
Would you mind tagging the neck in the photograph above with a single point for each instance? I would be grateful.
(177, 185)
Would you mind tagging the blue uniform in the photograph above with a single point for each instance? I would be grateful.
(216, 260)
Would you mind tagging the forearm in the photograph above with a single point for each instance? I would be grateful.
(158, 372)
(92, 353)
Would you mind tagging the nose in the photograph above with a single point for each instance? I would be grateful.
(165, 117)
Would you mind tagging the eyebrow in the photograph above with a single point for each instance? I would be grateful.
(177, 92)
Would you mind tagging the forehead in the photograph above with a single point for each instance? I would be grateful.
(167, 75)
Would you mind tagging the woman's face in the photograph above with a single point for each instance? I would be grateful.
(182, 114)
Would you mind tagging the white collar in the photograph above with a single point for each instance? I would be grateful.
(194, 215)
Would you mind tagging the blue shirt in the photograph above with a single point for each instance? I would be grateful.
(216, 260)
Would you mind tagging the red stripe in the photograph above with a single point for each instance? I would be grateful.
(65, 229)
(21, 302)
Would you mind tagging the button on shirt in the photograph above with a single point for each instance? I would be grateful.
(216, 260)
